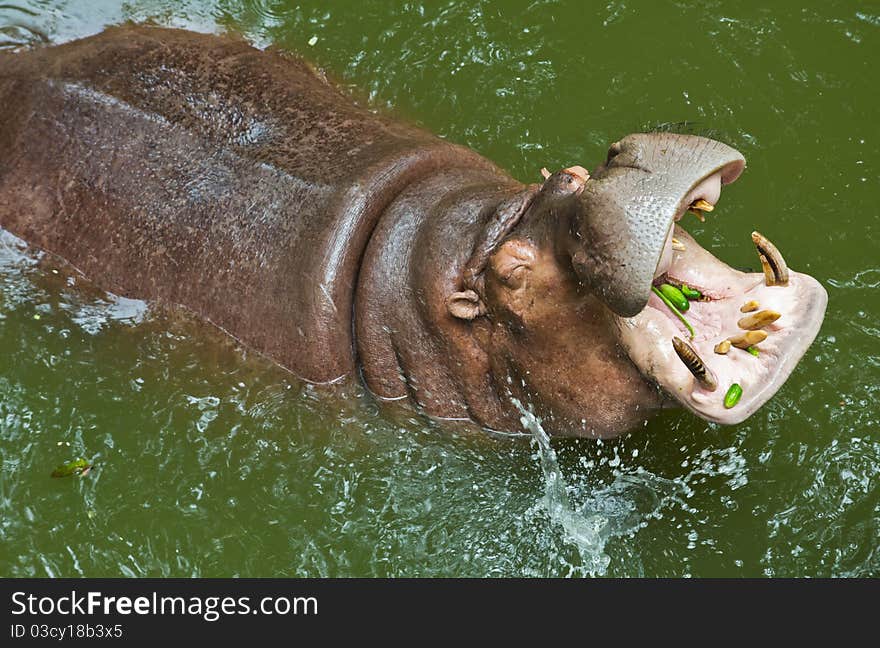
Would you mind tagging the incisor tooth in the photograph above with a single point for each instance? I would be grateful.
(747, 339)
(767, 269)
(758, 320)
(698, 207)
(749, 306)
(677, 245)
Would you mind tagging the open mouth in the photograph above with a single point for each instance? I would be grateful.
(721, 341)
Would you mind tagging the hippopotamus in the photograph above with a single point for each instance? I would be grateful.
(243, 185)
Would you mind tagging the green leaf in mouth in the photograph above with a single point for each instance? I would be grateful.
(674, 310)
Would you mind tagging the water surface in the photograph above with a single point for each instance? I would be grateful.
(212, 462)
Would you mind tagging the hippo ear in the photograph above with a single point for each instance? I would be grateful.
(465, 305)
(510, 264)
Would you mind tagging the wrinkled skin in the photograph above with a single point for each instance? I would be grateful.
(195, 170)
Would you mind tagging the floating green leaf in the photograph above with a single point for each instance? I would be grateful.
(76, 467)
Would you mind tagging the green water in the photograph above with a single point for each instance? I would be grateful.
(210, 462)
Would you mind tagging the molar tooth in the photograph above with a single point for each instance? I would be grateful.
(722, 347)
(749, 306)
(758, 320)
(774, 266)
(747, 339)
(695, 364)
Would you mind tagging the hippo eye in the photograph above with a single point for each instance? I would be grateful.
(514, 276)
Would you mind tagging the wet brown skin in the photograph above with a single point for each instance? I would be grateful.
(543, 339)
(196, 170)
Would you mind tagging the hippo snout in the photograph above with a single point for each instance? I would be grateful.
(623, 219)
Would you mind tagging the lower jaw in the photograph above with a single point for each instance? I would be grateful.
(648, 336)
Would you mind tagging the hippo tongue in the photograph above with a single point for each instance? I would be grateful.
(625, 214)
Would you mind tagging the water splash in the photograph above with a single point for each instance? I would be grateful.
(14, 252)
(586, 532)
(93, 317)
(592, 510)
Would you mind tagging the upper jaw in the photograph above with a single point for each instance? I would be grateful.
(617, 227)
(647, 337)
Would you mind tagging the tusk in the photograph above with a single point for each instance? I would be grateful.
(695, 364)
(758, 320)
(774, 266)
(747, 339)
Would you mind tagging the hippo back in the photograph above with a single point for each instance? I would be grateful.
(197, 170)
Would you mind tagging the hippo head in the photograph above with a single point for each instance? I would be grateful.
(577, 324)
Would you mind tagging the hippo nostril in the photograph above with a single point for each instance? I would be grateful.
(613, 151)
